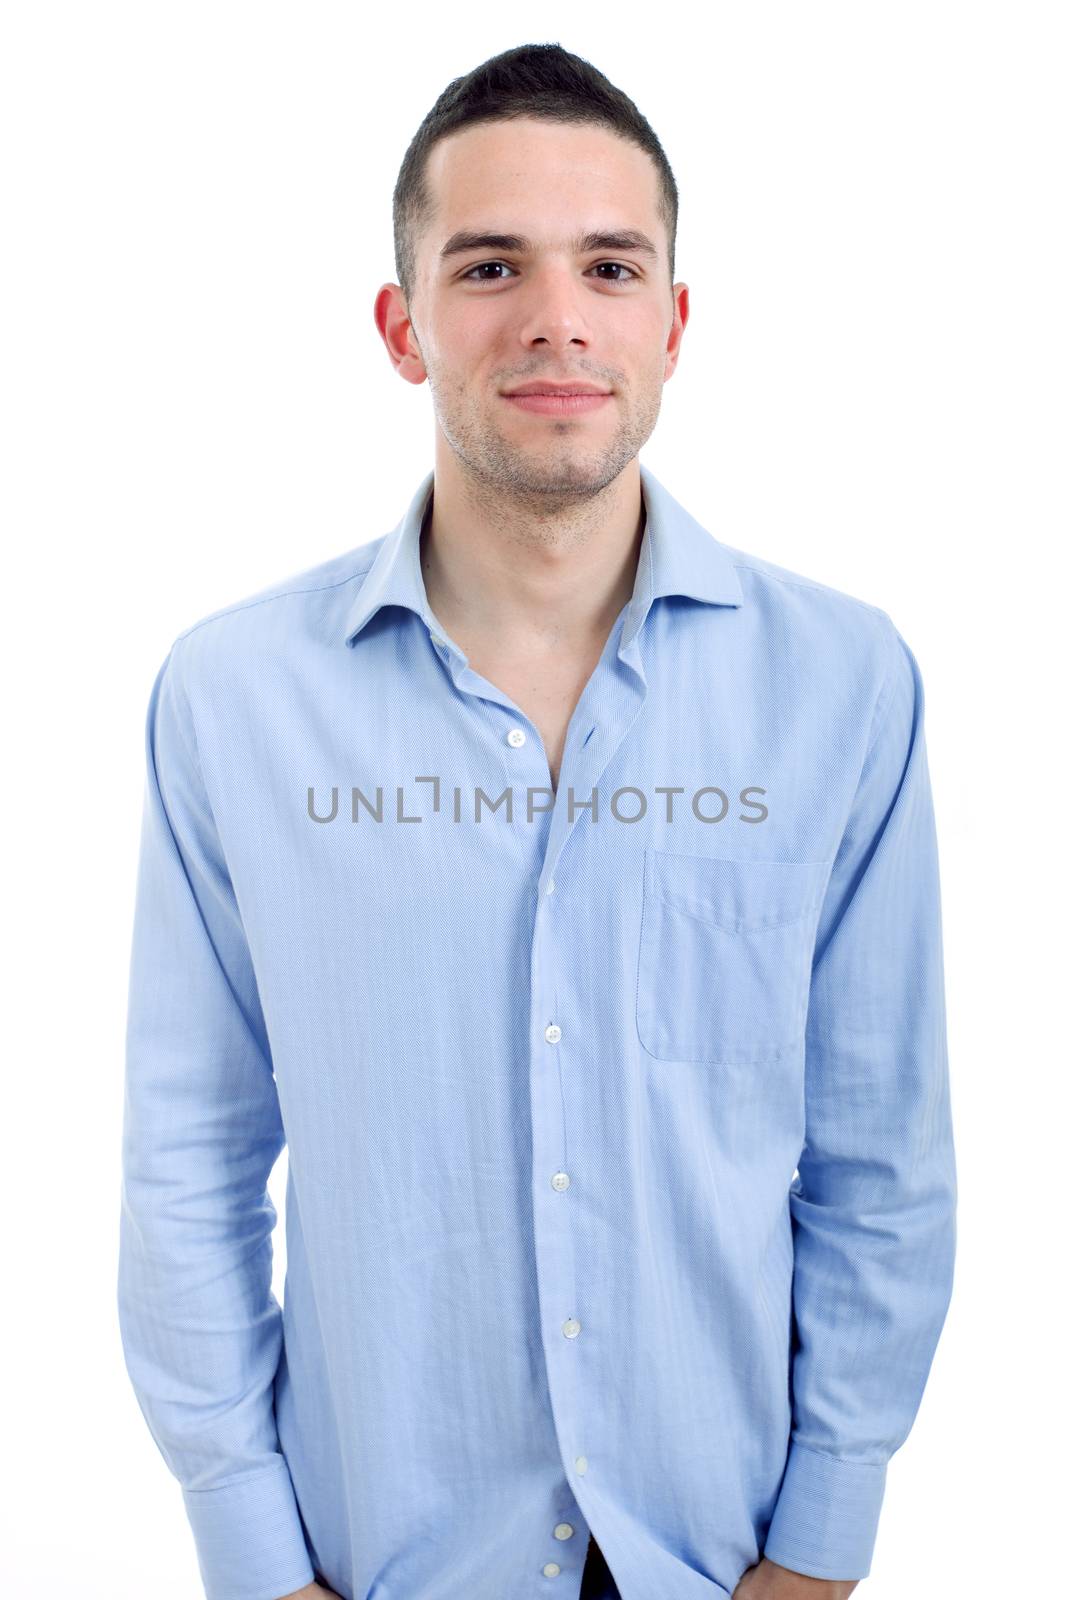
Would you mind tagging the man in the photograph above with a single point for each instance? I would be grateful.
(560, 884)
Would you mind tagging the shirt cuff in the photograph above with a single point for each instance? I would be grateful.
(826, 1517)
(249, 1538)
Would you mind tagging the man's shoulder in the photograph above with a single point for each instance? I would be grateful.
(290, 601)
(808, 608)
(757, 574)
(239, 652)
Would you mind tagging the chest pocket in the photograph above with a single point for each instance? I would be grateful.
(724, 963)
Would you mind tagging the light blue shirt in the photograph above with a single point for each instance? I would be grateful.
(621, 1184)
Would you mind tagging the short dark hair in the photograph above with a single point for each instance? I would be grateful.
(531, 80)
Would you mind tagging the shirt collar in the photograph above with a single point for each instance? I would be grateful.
(678, 556)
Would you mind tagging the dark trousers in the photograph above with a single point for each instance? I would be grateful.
(597, 1581)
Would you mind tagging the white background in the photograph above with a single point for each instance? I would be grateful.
(197, 208)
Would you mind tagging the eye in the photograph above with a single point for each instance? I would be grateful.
(481, 265)
(619, 264)
(484, 265)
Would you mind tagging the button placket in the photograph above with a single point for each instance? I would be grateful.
(610, 716)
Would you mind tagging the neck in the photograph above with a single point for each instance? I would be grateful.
(534, 567)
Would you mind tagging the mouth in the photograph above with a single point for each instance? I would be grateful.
(555, 403)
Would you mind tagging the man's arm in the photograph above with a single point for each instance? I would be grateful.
(874, 1208)
(201, 1329)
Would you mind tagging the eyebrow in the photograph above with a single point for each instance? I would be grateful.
(629, 240)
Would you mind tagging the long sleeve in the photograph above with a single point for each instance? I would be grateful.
(200, 1327)
(874, 1203)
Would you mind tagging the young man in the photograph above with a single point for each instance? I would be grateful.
(561, 885)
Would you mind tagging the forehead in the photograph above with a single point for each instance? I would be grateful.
(541, 179)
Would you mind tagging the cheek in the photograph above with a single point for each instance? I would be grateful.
(471, 358)
(467, 330)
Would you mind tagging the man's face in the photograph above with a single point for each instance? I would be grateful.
(490, 317)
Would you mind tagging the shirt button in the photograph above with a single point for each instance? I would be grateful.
(553, 1033)
(563, 1530)
(516, 737)
(560, 1180)
(436, 637)
(572, 1328)
(580, 1465)
(550, 1569)
(550, 886)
